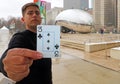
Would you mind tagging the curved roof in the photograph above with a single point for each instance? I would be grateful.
(76, 16)
(4, 28)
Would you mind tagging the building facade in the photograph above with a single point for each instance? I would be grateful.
(76, 4)
(106, 14)
(118, 15)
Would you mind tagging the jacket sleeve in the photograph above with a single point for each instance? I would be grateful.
(1, 64)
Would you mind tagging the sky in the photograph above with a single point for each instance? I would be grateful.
(13, 7)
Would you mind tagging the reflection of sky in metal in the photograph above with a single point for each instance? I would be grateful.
(76, 16)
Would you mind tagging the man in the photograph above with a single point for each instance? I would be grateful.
(20, 62)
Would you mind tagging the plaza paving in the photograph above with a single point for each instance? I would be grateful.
(77, 67)
(73, 70)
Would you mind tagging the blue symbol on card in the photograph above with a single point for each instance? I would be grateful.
(56, 46)
(39, 36)
(56, 53)
(48, 40)
(39, 28)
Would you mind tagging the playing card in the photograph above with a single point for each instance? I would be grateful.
(48, 40)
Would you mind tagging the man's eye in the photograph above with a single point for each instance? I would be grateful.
(37, 13)
(30, 13)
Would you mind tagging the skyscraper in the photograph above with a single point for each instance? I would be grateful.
(76, 4)
(106, 13)
(90, 3)
(118, 14)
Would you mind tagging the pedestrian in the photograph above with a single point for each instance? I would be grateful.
(101, 31)
(21, 62)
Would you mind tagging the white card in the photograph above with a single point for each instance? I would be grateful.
(48, 40)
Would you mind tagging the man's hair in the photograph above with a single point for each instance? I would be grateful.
(28, 5)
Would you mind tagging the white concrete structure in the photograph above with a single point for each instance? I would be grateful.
(115, 53)
(4, 39)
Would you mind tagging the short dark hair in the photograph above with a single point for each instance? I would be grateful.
(28, 5)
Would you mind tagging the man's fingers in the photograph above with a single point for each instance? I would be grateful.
(25, 52)
(17, 68)
(19, 76)
(18, 60)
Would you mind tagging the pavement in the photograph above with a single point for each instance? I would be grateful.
(71, 68)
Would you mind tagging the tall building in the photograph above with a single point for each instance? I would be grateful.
(118, 15)
(90, 3)
(106, 13)
(76, 4)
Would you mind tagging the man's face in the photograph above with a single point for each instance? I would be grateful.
(32, 18)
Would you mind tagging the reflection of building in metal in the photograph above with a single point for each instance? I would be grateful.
(106, 13)
(75, 19)
(76, 4)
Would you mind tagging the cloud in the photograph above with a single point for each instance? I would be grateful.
(13, 7)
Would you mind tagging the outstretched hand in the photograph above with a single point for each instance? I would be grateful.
(17, 62)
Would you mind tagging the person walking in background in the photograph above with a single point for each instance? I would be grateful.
(101, 31)
(21, 62)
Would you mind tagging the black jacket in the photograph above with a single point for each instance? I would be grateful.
(40, 71)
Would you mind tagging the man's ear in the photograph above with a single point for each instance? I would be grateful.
(22, 20)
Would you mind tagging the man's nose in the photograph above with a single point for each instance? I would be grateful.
(34, 14)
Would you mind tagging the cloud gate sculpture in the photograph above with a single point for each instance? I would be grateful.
(75, 19)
